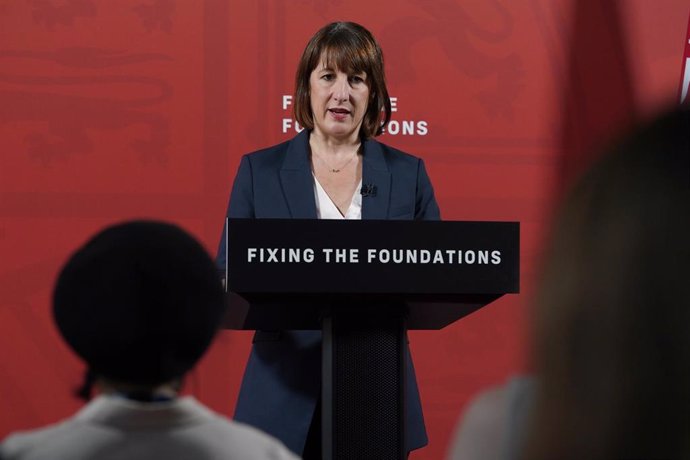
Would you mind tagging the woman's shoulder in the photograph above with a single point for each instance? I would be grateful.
(267, 160)
(268, 153)
(391, 154)
(275, 155)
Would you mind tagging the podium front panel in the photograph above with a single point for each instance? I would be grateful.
(372, 257)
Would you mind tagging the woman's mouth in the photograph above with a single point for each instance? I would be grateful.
(339, 113)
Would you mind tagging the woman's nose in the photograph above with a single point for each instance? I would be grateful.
(341, 90)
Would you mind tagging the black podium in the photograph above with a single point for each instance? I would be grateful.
(364, 284)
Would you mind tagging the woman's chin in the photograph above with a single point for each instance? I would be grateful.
(339, 131)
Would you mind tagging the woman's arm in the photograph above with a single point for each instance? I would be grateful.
(426, 207)
(241, 204)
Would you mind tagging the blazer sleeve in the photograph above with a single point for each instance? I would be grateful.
(241, 204)
(426, 207)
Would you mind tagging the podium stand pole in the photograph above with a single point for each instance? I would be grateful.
(363, 387)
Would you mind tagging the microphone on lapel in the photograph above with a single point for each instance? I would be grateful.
(368, 190)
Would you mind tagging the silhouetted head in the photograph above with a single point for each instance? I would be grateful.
(612, 330)
(140, 302)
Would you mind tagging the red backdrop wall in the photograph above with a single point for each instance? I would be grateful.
(142, 108)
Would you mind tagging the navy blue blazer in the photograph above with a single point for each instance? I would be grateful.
(282, 380)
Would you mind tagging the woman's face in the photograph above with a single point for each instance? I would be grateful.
(338, 102)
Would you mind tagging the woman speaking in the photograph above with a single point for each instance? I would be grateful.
(324, 172)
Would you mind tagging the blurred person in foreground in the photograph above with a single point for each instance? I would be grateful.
(611, 329)
(140, 303)
(333, 169)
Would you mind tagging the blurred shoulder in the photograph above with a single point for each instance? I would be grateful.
(493, 423)
(252, 444)
(480, 429)
(30, 444)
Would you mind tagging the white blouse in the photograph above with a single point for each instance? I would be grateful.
(326, 209)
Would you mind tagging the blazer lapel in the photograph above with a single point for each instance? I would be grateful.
(296, 178)
(375, 176)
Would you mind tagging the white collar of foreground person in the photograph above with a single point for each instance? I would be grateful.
(111, 427)
(118, 411)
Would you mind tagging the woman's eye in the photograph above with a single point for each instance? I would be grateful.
(327, 77)
(356, 79)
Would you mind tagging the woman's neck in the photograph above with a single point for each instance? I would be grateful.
(333, 146)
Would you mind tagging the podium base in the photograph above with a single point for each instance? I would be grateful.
(363, 388)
